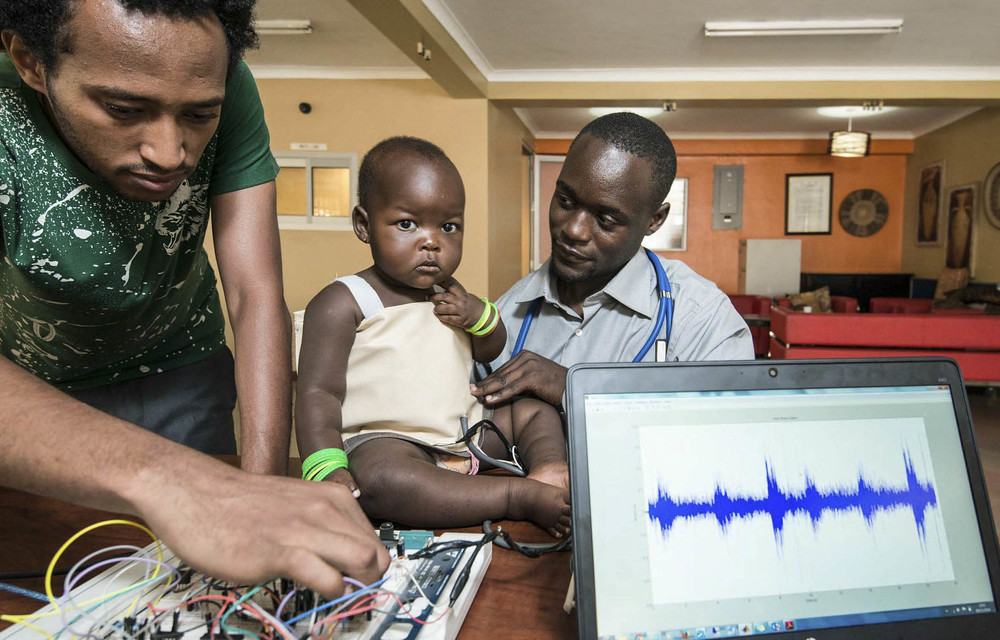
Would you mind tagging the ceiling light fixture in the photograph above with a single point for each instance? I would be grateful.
(852, 111)
(645, 112)
(850, 143)
(804, 28)
(283, 27)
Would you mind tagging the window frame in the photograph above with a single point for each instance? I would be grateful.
(310, 160)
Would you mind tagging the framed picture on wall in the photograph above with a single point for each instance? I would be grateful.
(808, 203)
(930, 222)
(961, 213)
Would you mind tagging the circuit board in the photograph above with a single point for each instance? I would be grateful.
(152, 595)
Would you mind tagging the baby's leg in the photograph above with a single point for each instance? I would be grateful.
(535, 427)
(399, 481)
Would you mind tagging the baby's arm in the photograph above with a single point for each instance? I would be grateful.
(459, 308)
(327, 337)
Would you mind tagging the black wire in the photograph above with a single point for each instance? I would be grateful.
(532, 550)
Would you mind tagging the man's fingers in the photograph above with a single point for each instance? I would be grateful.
(313, 571)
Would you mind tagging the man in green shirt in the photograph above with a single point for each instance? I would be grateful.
(122, 123)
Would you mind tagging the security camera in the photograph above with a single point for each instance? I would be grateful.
(305, 107)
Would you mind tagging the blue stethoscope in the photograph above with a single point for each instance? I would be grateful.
(664, 312)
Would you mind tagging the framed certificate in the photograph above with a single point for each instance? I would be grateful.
(808, 203)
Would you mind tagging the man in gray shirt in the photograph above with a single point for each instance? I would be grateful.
(597, 298)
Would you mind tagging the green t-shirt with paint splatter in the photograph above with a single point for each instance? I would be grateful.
(96, 288)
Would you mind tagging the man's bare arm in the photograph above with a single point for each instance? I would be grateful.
(245, 230)
(206, 511)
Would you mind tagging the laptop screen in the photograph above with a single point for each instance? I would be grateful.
(718, 513)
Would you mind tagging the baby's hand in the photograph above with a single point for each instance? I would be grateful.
(456, 306)
(344, 477)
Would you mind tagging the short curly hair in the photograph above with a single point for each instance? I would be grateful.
(42, 23)
(378, 156)
(629, 132)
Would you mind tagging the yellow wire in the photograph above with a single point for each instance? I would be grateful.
(74, 538)
(18, 620)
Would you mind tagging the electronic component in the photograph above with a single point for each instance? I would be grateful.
(129, 601)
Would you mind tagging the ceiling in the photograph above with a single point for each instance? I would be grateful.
(552, 59)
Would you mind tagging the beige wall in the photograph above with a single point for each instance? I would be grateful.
(507, 183)
(969, 148)
(352, 116)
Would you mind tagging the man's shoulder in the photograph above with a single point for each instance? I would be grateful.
(692, 290)
(528, 287)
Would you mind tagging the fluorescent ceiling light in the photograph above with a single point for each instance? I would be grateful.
(646, 112)
(804, 27)
(283, 27)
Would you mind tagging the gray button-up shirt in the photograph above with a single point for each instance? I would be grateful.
(618, 319)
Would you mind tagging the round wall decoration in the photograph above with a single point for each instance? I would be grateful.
(991, 196)
(863, 212)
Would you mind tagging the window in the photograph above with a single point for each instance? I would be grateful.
(316, 190)
(672, 236)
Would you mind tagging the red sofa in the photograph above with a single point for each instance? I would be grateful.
(838, 304)
(914, 305)
(973, 340)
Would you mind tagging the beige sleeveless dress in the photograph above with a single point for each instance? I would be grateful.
(407, 376)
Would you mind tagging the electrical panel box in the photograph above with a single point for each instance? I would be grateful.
(727, 197)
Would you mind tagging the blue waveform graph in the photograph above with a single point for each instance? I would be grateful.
(746, 510)
(779, 504)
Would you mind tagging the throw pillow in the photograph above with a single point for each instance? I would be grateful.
(949, 280)
(817, 301)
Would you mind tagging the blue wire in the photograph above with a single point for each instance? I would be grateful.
(332, 603)
(27, 593)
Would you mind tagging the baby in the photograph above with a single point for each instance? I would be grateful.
(383, 371)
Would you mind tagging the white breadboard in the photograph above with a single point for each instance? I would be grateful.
(105, 619)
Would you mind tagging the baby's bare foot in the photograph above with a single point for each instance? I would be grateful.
(544, 504)
(554, 473)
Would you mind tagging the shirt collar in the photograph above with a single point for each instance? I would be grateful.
(630, 286)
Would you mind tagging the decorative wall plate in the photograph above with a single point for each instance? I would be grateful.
(863, 212)
(991, 196)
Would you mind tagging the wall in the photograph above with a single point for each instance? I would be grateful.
(969, 149)
(352, 116)
(715, 254)
(508, 179)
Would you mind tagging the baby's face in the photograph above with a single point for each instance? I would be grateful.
(416, 225)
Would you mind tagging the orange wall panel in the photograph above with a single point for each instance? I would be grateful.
(715, 254)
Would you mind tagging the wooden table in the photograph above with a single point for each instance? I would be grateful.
(519, 597)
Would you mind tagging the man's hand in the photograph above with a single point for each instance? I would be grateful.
(525, 373)
(456, 306)
(250, 529)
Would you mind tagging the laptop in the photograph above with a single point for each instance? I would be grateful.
(792, 499)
